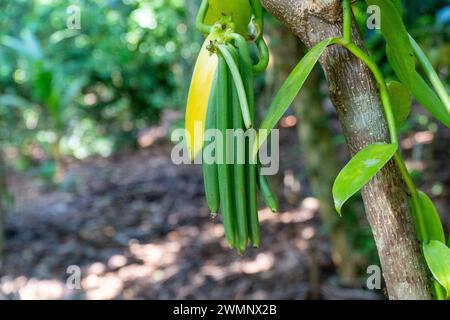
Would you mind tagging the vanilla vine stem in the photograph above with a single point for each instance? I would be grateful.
(387, 107)
(347, 43)
(201, 17)
(259, 15)
(347, 10)
(385, 101)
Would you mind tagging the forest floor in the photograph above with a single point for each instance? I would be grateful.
(137, 227)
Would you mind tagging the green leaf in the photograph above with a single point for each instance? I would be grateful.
(432, 75)
(437, 256)
(400, 53)
(420, 90)
(14, 43)
(401, 56)
(396, 35)
(289, 90)
(27, 46)
(401, 101)
(32, 44)
(427, 213)
(399, 6)
(43, 83)
(360, 170)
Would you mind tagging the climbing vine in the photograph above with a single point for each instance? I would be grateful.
(221, 97)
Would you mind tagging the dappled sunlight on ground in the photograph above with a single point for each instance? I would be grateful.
(33, 289)
(144, 268)
(157, 263)
(138, 228)
(146, 233)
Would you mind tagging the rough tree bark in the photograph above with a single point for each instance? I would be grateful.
(354, 94)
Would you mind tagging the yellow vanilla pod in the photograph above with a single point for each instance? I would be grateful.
(197, 103)
(239, 10)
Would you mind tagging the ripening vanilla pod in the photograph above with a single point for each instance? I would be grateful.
(221, 97)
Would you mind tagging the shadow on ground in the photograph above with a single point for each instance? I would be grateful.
(138, 228)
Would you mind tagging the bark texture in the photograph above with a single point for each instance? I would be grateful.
(354, 94)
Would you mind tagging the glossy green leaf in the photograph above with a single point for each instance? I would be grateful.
(426, 212)
(360, 170)
(27, 45)
(420, 90)
(400, 100)
(437, 256)
(289, 90)
(399, 6)
(402, 59)
(43, 83)
(395, 34)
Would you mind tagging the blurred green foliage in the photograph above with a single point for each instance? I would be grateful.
(92, 90)
(429, 23)
(96, 87)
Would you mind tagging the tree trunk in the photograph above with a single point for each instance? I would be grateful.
(354, 94)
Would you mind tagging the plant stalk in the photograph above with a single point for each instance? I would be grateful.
(347, 12)
(199, 25)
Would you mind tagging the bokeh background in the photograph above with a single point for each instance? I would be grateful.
(86, 179)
